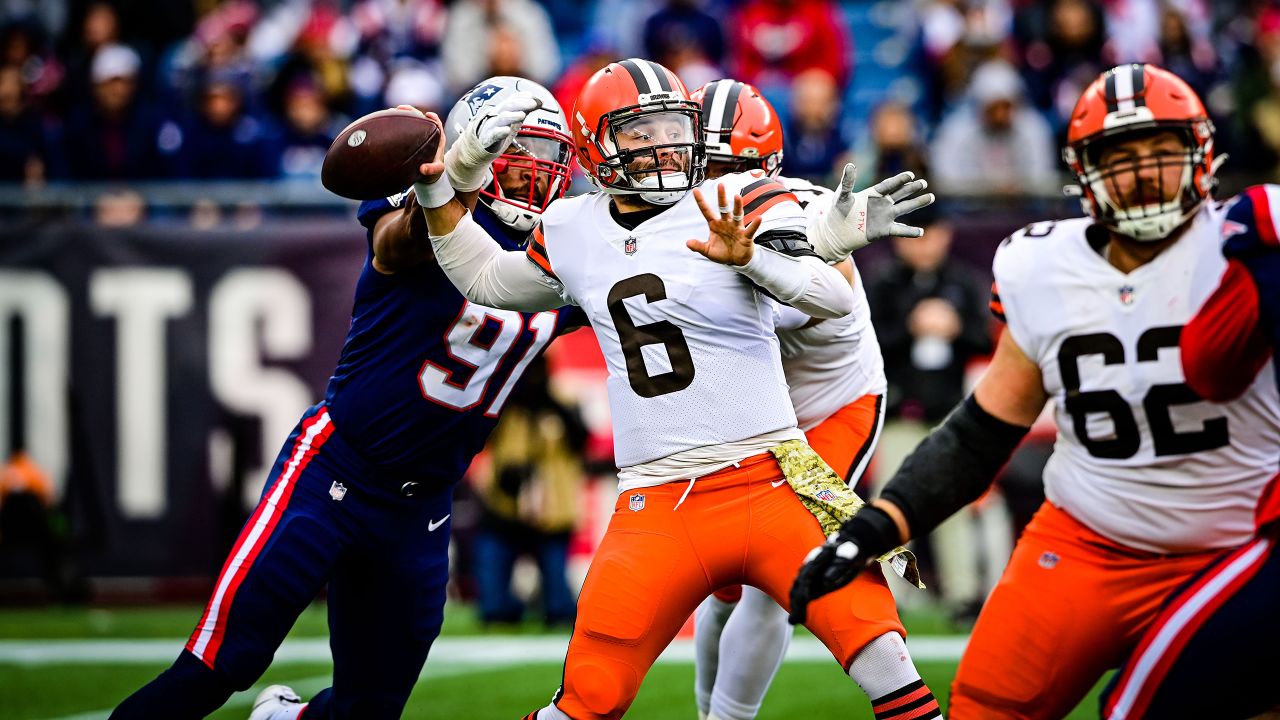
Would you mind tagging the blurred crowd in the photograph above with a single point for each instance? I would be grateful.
(123, 90)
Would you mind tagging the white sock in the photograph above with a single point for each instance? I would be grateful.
(708, 622)
(752, 646)
(883, 666)
(551, 712)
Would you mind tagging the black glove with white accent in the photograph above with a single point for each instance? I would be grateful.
(857, 219)
(832, 565)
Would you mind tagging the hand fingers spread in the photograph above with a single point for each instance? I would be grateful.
(848, 178)
(722, 196)
(702, 205)
(884, 187)
(912, 204)
(908, 190)
(906, 231)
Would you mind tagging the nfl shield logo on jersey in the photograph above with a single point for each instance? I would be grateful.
(826, 496)
(1126, 294)
(629, 246)
(1049, 560)
(636, 503)
(337, 490)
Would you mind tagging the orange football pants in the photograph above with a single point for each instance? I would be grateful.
(843, 440)
(1071, 605)
(662, 556)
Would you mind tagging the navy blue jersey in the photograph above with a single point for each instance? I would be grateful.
(1251, 236)
(424, 373)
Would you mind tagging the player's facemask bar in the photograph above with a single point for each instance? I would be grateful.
(532, 174)
(670, 163)
(1136, 197)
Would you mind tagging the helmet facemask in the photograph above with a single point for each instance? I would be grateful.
(527, 178)
(1145, 198)
(652, 151)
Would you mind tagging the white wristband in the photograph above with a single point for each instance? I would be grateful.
(435, 194)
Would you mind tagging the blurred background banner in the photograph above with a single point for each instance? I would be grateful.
(151, 373)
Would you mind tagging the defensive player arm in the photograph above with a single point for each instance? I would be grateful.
(400, 238)
(1224, 347)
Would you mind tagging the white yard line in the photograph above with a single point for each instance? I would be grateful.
(306, 687)
(487, 650)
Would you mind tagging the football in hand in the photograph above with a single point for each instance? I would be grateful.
(379, 155)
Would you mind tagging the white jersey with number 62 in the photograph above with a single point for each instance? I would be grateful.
(1139, 457)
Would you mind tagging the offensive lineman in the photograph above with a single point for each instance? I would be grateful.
(703, 428)
(360, 496)
(836, 382)
(1147, 482)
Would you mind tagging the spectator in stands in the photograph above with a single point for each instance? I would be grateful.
(893, 144)
(23, 147)
(115, 135)
(24, 45)
(528, 487)
(1256, 86)
(469, 43)
(814, 140)
(1063, 48)
(930, 315)
(224, 141)
(993, 143)
(309, 127)
(1185, 53)
(957, 36)
(779, 40)
(99, 27)
(393, 34)
(687, 39)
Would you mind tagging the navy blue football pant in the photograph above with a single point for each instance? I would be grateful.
(325, 516)
(1214, 650)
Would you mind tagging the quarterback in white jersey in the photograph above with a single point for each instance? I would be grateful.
(835, 377)
(1147, 481)
(702, 421)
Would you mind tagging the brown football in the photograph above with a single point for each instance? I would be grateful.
(379, 155)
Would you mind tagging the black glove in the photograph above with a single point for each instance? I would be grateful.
(832, 565)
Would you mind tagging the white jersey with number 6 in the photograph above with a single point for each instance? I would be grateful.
(690, 346)
(1139, 457)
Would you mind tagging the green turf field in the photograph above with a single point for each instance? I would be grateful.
(36, 684)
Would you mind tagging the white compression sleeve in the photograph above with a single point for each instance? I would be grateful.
(488, 275)
(752, 646)
(708, 623)
(805, 283)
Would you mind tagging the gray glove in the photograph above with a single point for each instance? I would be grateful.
(857, 219)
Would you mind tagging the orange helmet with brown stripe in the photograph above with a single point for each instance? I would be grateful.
(742, 129)
(637, 132)
(1123, 103)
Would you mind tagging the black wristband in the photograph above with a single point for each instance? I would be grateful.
(872, 530)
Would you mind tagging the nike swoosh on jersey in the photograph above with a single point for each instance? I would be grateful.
(779, 483)
(433, 524)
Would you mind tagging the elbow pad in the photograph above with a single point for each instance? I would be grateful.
(953, 466)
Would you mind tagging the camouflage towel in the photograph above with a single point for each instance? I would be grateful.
(832, 501)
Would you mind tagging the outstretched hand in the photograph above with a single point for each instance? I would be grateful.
(861, 218)
(729, 241)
